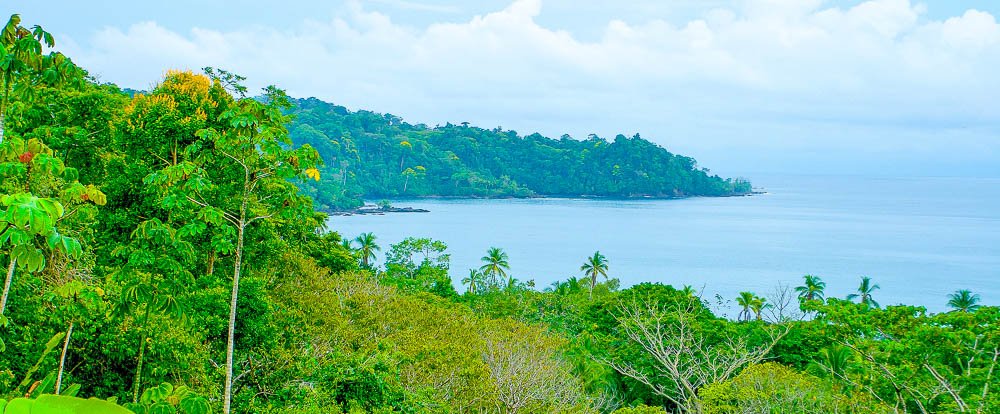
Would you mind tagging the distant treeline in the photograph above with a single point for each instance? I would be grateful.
(367, 154)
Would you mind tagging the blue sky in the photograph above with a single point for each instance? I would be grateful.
(890, 87)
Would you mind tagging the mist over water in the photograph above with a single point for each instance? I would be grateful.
(919, 238)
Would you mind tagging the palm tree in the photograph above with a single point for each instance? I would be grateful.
(347, 245)
(688, 291)
(367, 248)
(812, 289)
(758, 304)
(963, 301)
(570, 286)
(473, 281)
(745, 300)
(865, 292)
(496, 266)
(835, 359)
(596, 265)
(512, 283)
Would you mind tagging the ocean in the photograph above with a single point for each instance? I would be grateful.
(918, 238)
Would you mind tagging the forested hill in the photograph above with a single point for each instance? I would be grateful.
(367, 154)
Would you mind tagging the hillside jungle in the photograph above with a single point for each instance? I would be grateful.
(371, 155)
(160, 258)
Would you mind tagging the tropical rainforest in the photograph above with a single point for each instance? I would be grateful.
(372, 155)
(161, 257)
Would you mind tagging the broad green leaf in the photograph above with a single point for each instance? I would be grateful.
(29, 257)
(162, 408)
(61, 404)
(195, 405)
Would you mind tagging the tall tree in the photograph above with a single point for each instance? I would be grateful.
(811, 289)
(865, 290)
(41, 187)
(23, 65)
(473, 282)
(963, 301)
(238, 175)
(34, 178)
(154, 276)
(72, 302)
(745, 300)
(596, 265)
(757, 305)
(495, 267)
(367, 248)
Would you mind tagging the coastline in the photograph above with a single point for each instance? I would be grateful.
(373, 209)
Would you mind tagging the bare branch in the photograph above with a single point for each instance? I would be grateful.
(238, 161)
(225, 214)
(265, 217)
(158, 156)
(947, 386)
(684, 360)
(526, 371)
(989, 377)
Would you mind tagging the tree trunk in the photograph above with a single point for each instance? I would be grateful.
(211, 264)
(3, 106)
(142, 354)
(6, 284)
(228, 394)
(62, 359)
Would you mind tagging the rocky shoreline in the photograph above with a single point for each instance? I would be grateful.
(377, 211)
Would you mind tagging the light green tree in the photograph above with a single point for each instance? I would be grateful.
(757, 305)
(865, 290)
(473, 282)
(746, 301)
(20, 56)
(41, 186)
(596, 265)
(963, 301)
(811, 289)
(495, 267)
(367, 248)
(72, 302)
(154, 276)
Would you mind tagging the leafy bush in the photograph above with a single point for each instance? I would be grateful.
(774, 388)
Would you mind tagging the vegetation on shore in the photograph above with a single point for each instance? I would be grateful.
(367, 154)
(160, 258)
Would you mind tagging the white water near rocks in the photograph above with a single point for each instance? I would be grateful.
(919, 238)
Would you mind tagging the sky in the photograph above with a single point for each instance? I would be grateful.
(747, 87)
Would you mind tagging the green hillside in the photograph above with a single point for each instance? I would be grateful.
(372, 155)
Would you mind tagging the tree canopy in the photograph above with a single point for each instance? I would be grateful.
(372, 155)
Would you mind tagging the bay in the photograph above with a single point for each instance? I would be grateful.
(918, 238)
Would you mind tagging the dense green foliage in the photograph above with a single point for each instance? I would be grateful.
(368, 154)
(159, 257)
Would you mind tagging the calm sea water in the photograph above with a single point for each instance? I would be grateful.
(918, 238)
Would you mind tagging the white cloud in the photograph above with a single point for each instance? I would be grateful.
(418, 6)
(740, 77)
